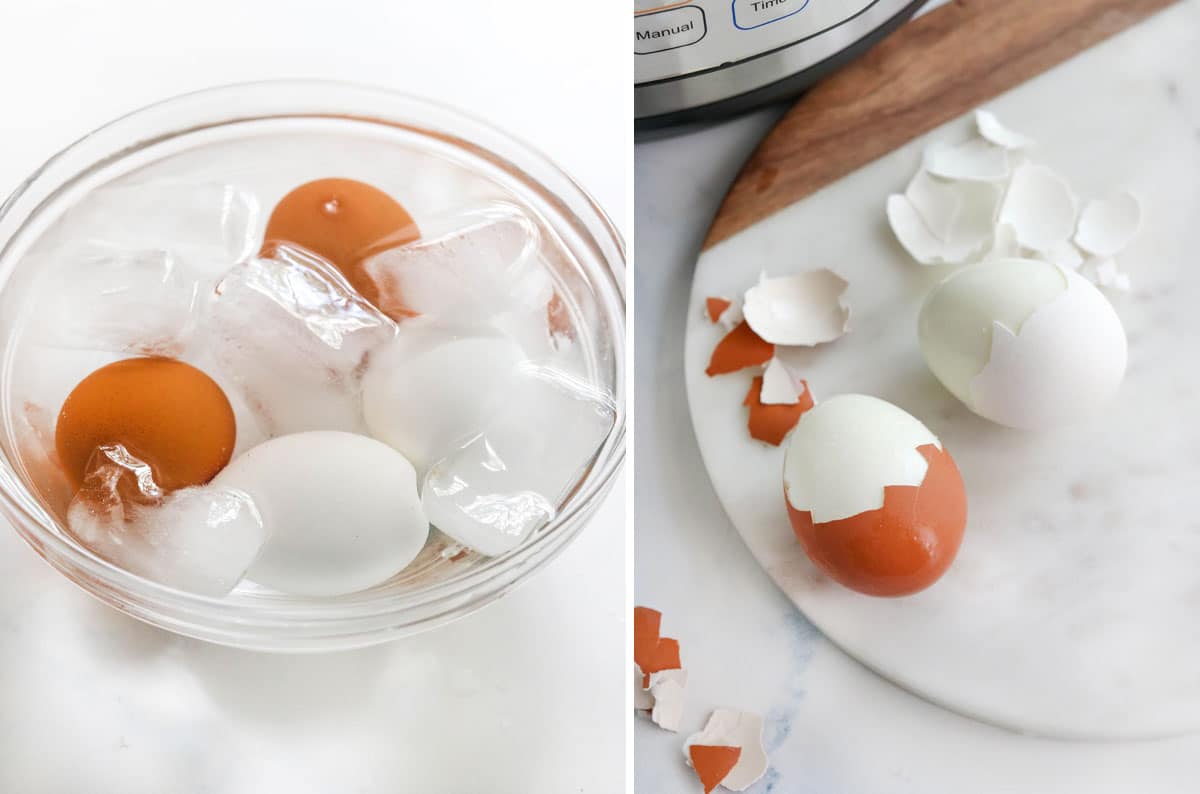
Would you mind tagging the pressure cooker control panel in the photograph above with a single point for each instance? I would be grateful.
(672, 39)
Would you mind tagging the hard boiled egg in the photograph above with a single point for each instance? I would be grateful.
(430, 388)
(1024, 343)
(341, 510)
(874, 499)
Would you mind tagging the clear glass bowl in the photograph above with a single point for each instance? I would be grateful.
(409, 603)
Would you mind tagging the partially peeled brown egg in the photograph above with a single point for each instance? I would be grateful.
(875, 500)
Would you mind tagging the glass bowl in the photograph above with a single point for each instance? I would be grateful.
(436, 592)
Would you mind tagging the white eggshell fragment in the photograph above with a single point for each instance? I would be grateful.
(910, 229)
(667, 687)
(967, 233)
(429, 389)
(342, 511)
(730, 728)
(1108, 225)
(1109, 276)
(780, 386)
(1040, 206)
(1022, 342)
(994, 132)
(846, 450)
(976, 160)
(936, 201)
(1004, 243)
(643, 700)
(1063, 253)
(801, 309)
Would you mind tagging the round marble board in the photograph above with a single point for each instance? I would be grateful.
(1073, 608)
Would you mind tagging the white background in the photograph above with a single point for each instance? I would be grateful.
(525, 697)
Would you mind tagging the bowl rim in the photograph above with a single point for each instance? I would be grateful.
(109, 582)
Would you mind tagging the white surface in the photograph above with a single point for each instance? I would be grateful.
(528, 694)
(1074, 593)
(832, 726)
(1071, 608)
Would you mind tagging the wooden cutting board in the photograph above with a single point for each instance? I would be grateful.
(933, 69)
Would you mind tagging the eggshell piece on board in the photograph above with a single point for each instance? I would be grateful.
(1106, 226)
(1040, 206)
(801, 309)
(975, 160)
(739, 349)
(993, 131)
(772, 423)
(715, 307)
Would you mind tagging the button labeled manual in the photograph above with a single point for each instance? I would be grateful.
(748, 14)
(668, 30)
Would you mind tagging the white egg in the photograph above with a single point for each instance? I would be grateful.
(1024, 343)
(428, 390)
(342, 511)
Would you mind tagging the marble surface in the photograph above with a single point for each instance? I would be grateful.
(833, 727)
(1075, 592)
(524, 697)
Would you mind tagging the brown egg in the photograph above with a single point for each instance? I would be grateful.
(343, 221)
(163, 411)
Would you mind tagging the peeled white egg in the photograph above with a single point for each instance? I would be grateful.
(1024, 343)
(429, 389)
(342, 511)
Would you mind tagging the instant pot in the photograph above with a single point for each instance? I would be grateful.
(699, 60)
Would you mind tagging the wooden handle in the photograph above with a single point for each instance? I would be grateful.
(931, 70)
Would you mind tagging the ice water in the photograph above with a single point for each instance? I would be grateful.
(484, 321)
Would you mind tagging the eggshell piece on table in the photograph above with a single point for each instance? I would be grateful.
(667, 688)
(772, 423)
(651, 652)
(801, 309)
(874, 500)
(728, 728)
(341, 510)
(739, 349)
(713, 764)
(164, 412)
(343, 221)
(1023, 342)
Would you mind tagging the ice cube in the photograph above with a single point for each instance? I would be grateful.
(139, 302)
(293, 337)
(201, 539)
(433, 387)
(467, 268)
(494, 491)
(208, 226)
